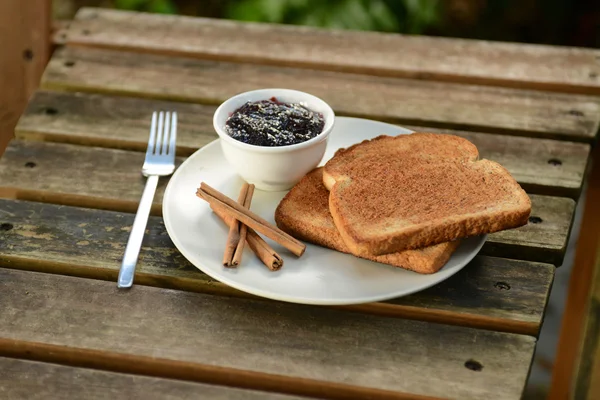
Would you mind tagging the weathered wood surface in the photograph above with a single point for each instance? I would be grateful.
(420, 57)
(112, 121)
(268, 345)
(587, 375)
(24, 51)
(111, 179)
(450, 105)
(543, 239)
(490, 293)
(32, 380)
(76, 175)
(540, 165)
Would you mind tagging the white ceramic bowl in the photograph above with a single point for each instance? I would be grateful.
(273, 168)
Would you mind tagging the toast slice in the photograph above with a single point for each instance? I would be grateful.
(411, 191)
(304, 214)
(416, 147)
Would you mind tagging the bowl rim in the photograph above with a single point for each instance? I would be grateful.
(328, 115)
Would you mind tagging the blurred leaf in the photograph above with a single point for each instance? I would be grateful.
(258, 10)
(379, 15)
(155, 6)
(246, 11)
(384, 16)
(129, 4)
(162, 6)
(421, 13)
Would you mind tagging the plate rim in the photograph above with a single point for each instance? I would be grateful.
(294, 299)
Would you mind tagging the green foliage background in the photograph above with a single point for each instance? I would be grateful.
(410, 16)
(156, 6)
(379, 15)
(566, 22)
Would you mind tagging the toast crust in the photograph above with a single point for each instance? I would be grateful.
(304, 214)
(389, 197)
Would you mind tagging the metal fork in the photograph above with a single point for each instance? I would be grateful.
(160, 161)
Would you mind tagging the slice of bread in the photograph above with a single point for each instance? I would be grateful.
(411, 191)
(304, 214)
(417, 147)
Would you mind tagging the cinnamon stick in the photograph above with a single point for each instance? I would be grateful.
(239, 251)
(263, 251)
(249, 218)
(233, 238)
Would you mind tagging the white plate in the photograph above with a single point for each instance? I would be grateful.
(320, 276)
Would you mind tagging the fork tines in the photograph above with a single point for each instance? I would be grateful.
(159, 142)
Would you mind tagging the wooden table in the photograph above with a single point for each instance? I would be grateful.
(71, 180)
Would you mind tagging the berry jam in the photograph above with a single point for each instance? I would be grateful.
(273, 123)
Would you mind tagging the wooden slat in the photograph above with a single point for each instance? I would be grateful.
(544, 238)
(112, 121)
(31, 380)
(24, 52)
(420, 57)
(110, 179)
(71, 174)
(264, 345)
(122, 122)
(491, 109)
(490, 293)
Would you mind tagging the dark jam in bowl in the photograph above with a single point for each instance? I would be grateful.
(273, 123)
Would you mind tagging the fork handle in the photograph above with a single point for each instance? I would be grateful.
(134, 243)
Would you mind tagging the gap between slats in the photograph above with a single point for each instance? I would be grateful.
(541, 166)
(506, 294)
(464, 107)
(314, 343)
(209, 286)
(28, 380)
(193, 372)
(494, 246)
(78, 176)
(431, 58)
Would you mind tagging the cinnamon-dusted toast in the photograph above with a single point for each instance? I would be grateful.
(304, 214)
(411, 191)
(422, 147)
